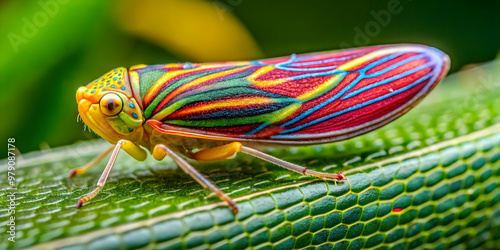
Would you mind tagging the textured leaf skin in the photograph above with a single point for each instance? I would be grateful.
(440, 164)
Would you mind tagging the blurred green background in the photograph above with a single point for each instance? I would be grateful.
(51, 47)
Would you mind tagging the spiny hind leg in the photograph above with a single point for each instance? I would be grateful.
(129, 147)
(160, 151)
(229, 150)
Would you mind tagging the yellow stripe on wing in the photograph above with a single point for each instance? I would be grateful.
(160, 82)
(337, 78)
(200, 81)
(265, 83)
(227, 104)
(370, 56)
(323, 88)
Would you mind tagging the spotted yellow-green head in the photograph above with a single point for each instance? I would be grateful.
(108, 107)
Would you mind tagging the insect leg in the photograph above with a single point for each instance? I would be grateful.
(131, 149)
(299, 169)
(160, 151)
(91, 164)
(229, 150)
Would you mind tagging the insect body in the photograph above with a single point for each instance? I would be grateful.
(212, 111)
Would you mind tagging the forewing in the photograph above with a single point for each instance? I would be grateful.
(306, 98)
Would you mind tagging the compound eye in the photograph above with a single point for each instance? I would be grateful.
(111, 104)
